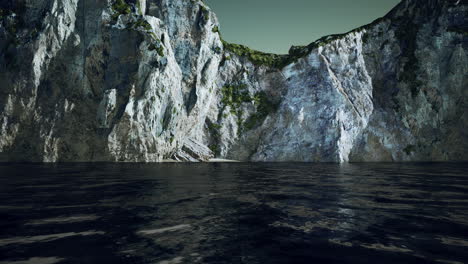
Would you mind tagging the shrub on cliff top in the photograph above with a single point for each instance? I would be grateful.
(256, 57)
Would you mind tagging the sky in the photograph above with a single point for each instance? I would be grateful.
(274, 25)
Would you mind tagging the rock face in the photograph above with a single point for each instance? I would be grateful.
(150, 80)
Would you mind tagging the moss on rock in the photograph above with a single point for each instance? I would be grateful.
(235, 95)
(205, 13)
(158, 47)
(120, 7)
(143, 24)
(264, 107)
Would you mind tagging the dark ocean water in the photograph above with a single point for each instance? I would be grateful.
(233, 213)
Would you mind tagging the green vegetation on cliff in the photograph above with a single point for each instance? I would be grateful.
(295, 53)
(235, 95)
(158, 48)
(143, 24)
(120, 7)
(256, 57)
(264, 107)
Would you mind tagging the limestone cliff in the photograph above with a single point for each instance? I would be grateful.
(150, 80)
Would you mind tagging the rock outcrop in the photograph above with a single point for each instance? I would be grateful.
(151, 80)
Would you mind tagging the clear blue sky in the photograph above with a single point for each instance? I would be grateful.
(275, 25)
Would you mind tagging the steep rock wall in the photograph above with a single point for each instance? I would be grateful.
(150, 80)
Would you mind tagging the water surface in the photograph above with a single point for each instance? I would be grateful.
(233, 213)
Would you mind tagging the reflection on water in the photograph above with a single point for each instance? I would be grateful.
(233, 213)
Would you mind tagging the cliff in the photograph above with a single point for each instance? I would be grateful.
(150, 80)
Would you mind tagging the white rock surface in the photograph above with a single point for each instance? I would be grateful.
(82, 80)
